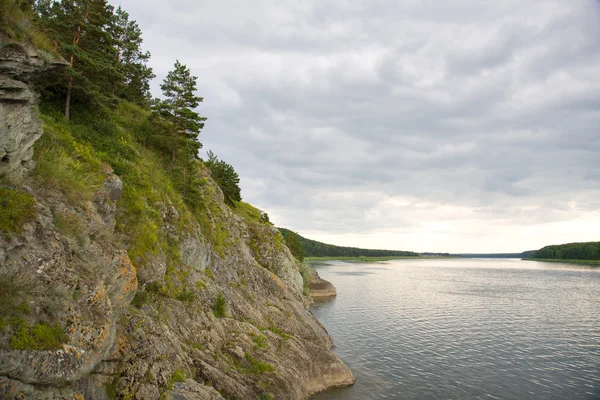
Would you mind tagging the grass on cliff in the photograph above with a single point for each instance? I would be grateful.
(72, 158)
(41, 336)
(257, 367)
(16, 209)
(66, 164)
(177, 376)
(17, 23)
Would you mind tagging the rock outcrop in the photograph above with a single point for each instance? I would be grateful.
(320, 288)
(20, 126)
(218, 313)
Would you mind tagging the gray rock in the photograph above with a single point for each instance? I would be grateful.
(267, 342)
(20, 126)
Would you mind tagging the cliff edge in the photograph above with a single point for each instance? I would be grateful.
(111, 287)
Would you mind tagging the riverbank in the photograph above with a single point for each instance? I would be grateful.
(563, 261)
(357, 259)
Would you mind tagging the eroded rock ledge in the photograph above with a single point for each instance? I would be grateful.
(20, 126)
(320, 288)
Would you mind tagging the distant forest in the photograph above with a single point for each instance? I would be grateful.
(311, 248)
(570, 251)
(524, 254)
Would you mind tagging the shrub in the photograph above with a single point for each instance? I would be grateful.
(178, 375)
(220, 305)
(17, 208)
(187, 296)
(264, 217)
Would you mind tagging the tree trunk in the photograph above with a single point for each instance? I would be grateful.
(68, 101)
(184, 184)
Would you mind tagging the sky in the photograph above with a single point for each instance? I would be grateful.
(463, 126)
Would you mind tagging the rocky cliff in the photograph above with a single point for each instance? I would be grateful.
(212, 308)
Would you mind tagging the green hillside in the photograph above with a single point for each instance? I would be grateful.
(302, 247)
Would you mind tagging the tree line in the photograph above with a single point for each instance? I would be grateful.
(302, 247)
(570, 251)
(107, 66)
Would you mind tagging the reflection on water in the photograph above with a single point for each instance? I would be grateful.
(465, 329)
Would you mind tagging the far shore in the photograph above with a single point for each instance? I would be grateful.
(564, 261)
(369, 259)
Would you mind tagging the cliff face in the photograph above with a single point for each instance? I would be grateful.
(20, 126)
(216, 313)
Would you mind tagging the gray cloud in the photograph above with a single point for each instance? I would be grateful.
(460, 126)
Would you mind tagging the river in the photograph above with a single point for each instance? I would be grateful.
(465, 329)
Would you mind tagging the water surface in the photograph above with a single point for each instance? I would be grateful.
(465, 329)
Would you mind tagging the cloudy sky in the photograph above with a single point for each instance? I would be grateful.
(462, 126)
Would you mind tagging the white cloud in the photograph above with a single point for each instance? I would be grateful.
(418, 125)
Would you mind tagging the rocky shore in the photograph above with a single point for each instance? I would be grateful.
(193, 317)
(320, 288)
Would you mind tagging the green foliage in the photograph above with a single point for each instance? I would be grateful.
(16, 209)
(260, 342)
(177, 109)
(292, 241)
(209, 273)
(178, 375)
(82, 30)
(313, 248)
(41, 336)
(251, 214)
(257, 367)
(131, 60)
(264, 217)
(13, 19)
(141, 297)
(266, 396)
(226, 177)
(103, 48)
(306, 277)
(66, 164)
(18, 22)
(278, 331)
(570, 251)
(187, 296)
(219, 308)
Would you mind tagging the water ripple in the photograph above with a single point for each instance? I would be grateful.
(465, 329)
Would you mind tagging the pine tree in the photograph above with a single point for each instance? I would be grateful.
(130, 59)
(226, 177)
(81, 29)
(177, 108)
